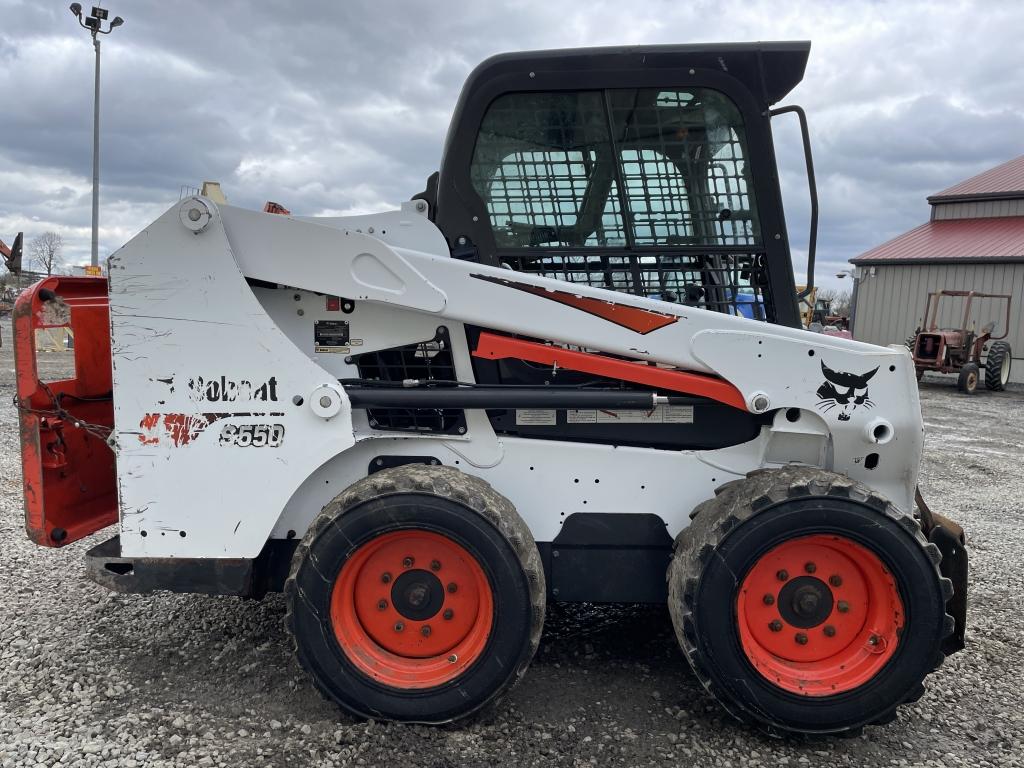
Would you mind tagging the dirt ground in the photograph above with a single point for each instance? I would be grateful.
(94, 678)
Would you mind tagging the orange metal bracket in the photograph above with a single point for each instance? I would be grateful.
(68, 474)
(494, 347)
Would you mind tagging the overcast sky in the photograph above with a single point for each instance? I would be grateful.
(342, 106)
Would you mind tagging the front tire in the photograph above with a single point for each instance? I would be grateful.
(967, 380)
(997, 366)
(417, 595)
(807, 604)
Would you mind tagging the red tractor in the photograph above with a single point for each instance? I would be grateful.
(958, 350)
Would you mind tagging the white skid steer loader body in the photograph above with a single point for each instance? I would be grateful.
(231, 428)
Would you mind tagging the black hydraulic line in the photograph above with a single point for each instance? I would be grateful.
(539, 397)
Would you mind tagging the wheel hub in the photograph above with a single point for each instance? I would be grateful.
(805, 602)
(417, 595)
(407, 626)
(819, 636)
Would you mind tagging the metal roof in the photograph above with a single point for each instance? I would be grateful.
(953, 240)
(1003, 181)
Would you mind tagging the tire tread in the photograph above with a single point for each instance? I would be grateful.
(445, 482)
(739, 501)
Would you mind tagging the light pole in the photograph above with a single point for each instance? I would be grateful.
(94, 23)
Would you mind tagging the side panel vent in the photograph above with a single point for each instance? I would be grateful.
(426, 361)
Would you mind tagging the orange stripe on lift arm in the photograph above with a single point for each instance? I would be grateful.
(494, 347)
(643, 321)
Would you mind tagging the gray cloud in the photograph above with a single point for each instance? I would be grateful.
(327, 106)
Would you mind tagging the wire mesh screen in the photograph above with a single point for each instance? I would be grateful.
(426, 361)
(625, 167)
(682, 156)
(542, 163)
(733, 283)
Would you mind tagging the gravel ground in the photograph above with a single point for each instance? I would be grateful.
(94, 678)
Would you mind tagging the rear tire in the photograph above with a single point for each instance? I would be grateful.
(997, 366)
(967, 381)
(737, 585)
(416, 595)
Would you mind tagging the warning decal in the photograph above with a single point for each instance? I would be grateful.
(535, 417)
(662, 414)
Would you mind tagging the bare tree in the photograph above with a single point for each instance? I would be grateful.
(45, 252)
(841, 303)
(827, 294)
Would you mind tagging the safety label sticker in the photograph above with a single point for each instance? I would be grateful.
(535, 417)
(662, 414)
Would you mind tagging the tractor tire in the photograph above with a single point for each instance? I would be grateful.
(417, 595)
(805, 603)
(997, 366)
(967, 381)
(910, 342)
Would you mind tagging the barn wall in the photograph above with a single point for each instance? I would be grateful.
(890, 303)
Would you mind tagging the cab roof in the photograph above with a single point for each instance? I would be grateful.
(770, 70)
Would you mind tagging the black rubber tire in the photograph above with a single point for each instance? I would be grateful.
(446, 501)
(999, 354)
(750, 516)
(967, 380)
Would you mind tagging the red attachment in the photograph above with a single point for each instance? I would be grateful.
(272, 207)
(68, 472)
(849, 645)
(391, 647)
(494, 347)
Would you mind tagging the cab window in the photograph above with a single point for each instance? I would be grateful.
(625, 168)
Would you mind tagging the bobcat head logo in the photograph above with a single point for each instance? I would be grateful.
(846, 391)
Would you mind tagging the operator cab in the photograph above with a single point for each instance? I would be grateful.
(647, 170)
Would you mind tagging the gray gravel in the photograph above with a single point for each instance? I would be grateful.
(88, 677)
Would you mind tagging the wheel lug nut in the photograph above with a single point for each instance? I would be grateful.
(399, 626)
(425, 630)
(775, 626)
(830, 631)
(452, 659)
(453, 587)
(782, 575)
(842, 606)
(385, 577)
(448, 613)
(810, 567)
(801, 638)
(382, 605)
(873, 640)
(768, 599)
(835, 580)
(407, 562)
(435, 565)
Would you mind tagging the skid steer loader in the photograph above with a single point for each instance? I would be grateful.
(569, 370)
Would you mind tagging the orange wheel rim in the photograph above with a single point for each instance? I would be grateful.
(819, 615)
(412, 609)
